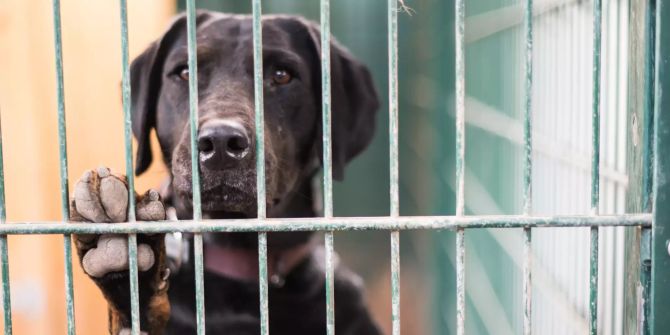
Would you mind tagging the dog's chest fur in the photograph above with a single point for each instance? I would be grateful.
(298, 307)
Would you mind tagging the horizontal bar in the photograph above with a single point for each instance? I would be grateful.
(328, 224)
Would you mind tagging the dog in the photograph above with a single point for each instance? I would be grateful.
(226, 150)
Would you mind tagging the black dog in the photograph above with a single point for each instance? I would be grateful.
(226, 144)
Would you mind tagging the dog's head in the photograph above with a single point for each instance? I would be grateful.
(226, 139)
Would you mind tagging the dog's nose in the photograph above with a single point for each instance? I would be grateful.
(222, 145)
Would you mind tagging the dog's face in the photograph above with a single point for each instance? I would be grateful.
(226, 141)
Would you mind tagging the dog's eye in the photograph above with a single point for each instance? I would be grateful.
(281, 77)
(183, 73)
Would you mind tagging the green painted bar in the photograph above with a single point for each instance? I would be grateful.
(195, 166)
(4, 254)
(528, 170)
(393, 103)
(260, 161)
(130, 173)
(393, 161)
(660, 273)
(62, 148)
(460, 164)
(595, 166)
(328, 224)
(327, 162)
(326, 109)
(134, 287)
(263, 281)
(127, 122)
(645, 279)
(330, 284)
(395, 282)
(593, 283)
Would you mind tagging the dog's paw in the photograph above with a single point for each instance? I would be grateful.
(102, 197)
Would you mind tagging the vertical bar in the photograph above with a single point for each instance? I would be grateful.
(4, 254)
(62, 148)
(393, 159)
(528, 171)
(660, 273)
(191, 25)
(330, 285)
(327, 162)
(132, 238)
(260, 162)
(460, 164)
(395, 282)
(595, 165)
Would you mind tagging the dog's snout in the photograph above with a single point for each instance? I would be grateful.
(222, 145)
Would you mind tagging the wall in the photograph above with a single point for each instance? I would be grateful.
(92, 63)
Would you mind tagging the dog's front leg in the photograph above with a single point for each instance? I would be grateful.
(102, 197)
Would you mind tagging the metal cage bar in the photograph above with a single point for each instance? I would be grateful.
(328, 224)
(62, 148)
(132, 238)
(528, 169)
(394, 222)
(4, 254)
(326, 116)
(393, 162)
(595, 166)
(191, 27)
(460, 165)
(260, 162)
(660, 278)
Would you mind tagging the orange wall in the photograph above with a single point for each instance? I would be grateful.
(92, 63)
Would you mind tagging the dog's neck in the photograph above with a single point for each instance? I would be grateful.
(241, 262)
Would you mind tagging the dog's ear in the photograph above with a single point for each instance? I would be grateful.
(354, 102)
(146, 73)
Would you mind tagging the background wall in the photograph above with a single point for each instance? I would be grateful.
(91, 43)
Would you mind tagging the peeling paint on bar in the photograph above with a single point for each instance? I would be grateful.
(4, 254)
(263, 282)
(460, 164)
(528, 171)
(195, 166)
(527, 283)
(595, 166)
(393, 162)
(134, 287)
(327, 162)
(62, 148)
(328, 224)
(395, 282)
(260, 161)
(132, 238)
(393, 103)
(330, 284)
(326, 110)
